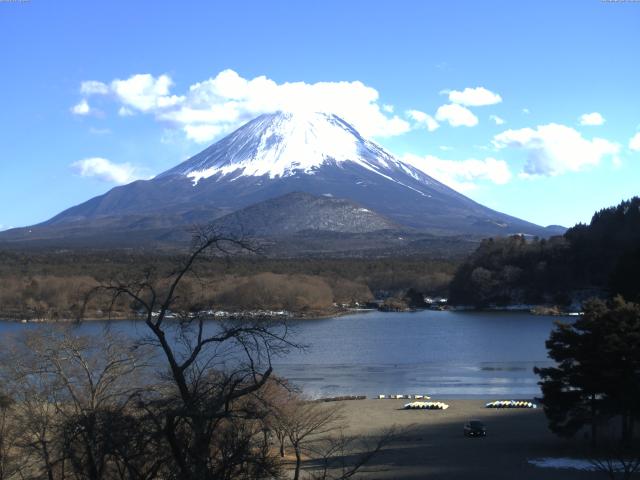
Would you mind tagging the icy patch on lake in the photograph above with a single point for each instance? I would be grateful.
(570, 463)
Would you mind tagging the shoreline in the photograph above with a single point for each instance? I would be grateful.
(480, 397)
(220, 314)
(314, 315)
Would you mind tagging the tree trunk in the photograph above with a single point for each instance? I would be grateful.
(88, 441)
(176, 451)
(47, 461)
(199, 452)
(296, 475)
(281, 436)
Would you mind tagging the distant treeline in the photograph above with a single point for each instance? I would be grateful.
(51, 285)
(601, 258)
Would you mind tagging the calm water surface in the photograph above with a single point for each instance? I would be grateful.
(443, 354)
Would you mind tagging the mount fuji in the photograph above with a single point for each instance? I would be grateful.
(277, 175)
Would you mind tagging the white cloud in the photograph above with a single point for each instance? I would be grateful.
(591, 119)
(144, 92)
(526, 111)
(105, 170)
(218, 105)
(456, 115)
(422, 119)
(554, 149)
(203, 132)
(634, 143)
(474, 97)
(498, 120)
(388, 108)
(461, 175)
(81, 108)
(92, 87)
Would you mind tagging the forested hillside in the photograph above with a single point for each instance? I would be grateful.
(601, 258)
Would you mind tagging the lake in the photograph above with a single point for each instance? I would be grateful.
(444, 354)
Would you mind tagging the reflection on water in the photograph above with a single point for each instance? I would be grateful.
(445, 354)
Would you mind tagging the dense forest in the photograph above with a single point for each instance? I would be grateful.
(602, 258)
(53, 285)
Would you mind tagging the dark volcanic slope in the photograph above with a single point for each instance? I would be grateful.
(297, 212)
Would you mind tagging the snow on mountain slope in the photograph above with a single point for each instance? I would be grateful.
(283, 144)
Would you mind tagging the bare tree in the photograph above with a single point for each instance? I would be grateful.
(277, 395)
(206, 407)
(9, 461)
(305, 423)
(36, 441)
(69, 390)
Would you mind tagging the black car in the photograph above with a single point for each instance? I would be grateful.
(475, 428)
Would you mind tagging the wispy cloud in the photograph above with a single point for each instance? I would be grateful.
(106, 170)
(592, 119)
(92, 87)
(422, 120)
(462, 175)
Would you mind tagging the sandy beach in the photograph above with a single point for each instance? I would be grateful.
(433, 445)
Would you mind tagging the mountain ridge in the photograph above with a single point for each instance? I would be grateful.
(275, 155)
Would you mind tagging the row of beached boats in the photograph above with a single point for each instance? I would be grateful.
(421, 404)
(404, 397)
(510, 404)
(426, 406)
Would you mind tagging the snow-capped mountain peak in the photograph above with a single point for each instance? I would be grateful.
(276, 175)
(283, 144)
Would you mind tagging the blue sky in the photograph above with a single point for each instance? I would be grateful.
(486, 96)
